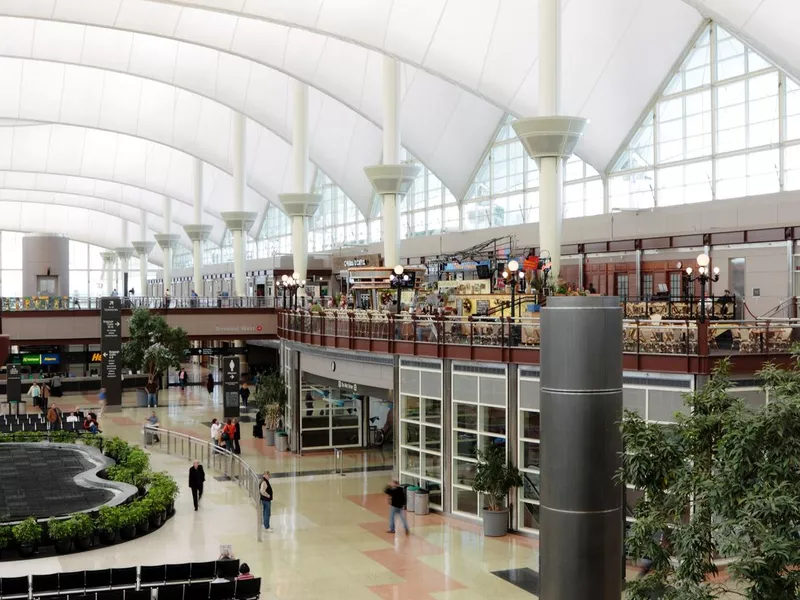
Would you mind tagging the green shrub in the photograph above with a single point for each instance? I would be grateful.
(117, 449)
(84, 525)
(61, 529)
(110, 519)
(6, 537)
(28, 533)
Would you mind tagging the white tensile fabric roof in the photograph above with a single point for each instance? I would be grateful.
(110, 100)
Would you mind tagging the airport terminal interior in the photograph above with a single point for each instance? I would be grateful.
(441, 299)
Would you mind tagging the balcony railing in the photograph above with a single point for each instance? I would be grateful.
(433, 335)
(70, 303)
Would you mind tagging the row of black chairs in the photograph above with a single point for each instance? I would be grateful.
(245, 589)
(104, 582)
(40, 425)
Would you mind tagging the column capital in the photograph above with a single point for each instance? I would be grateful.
(300, 205)
(392, 179)
(554, 136)
(198, 233)
(143, 248)
(239, 220)
(109, 256)
(167, 241)
(124, 253)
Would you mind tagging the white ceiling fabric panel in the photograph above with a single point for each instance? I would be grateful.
(77, 223)
(343, 71)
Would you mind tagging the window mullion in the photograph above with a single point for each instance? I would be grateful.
(714, 105)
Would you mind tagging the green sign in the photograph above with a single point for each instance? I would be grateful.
(31, 359)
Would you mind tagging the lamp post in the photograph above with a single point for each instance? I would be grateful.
(703, 277)
(283, 285)
(398, 280)
(294, 284)
(513, 271)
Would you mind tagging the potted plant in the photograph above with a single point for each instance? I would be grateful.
(140, 516)
(6, 537)
(61, 531)
(84, 529)
(494, 477)
(152, 347)
(163, 484)
(109, 522)
(27, 534)
(127, 521)
(270, 398)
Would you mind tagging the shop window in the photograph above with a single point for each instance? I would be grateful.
(647, 285)
(622, 286)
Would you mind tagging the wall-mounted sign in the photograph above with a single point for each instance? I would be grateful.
(32, 359)
(466, 286)
(344, 385)
(340, 263)
(216, 351)
(50, 359)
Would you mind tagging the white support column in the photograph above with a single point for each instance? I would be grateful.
(550, 139)
(239, 221)
(167, 241)
(300, 205)
(124, 253)
(392, 178)
(198, 233)
(143, 249)
(109, 260)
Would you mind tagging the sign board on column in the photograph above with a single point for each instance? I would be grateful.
(13, 383)
(230, 386)
(110, 345)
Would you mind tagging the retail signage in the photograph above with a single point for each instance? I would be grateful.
(467, 265)
(50, 359)
(341, 263)
(230, 386)
(13, 383)
(31, 359)
(110, 346)
(466, 287)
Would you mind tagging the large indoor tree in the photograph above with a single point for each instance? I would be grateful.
(153, 346)
(723, 481)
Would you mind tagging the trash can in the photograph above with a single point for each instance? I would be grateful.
(411, 498)
(422, 502)
(405, 487)
(281, 441)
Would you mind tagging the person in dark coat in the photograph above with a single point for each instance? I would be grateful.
(196, 479)
(237, 435)
(210, 384)
(244, 394)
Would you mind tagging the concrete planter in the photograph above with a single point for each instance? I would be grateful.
(495, 522)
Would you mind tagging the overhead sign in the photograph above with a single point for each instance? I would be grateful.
(344, 385)
(110, 346)
(13, 383)
(240, 350)
(230, 386)
(50, 359)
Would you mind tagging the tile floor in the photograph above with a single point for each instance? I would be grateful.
(329, 540)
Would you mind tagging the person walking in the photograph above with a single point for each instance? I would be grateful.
(183, 379)
(152, 422)
(196, 479)
(237, 435)
(102, 399)
(210, 384)
(151, 387)
(35, 392)
(265, 490)
(55, 385)
(397, 500)
(244, 394)
(54, 415)
(45, 397)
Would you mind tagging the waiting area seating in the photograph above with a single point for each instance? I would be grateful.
(184, 581)
(38, 422)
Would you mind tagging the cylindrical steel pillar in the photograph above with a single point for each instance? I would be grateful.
(581, 448)
(391, 155)
(300, 173)
(167, 251)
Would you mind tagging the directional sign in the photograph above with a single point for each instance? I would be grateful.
(13, 383)
(230, 386)
(110, 345)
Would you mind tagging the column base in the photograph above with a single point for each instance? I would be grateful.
(167, 241)
(392, 179)
(239, 220)
(198, 233)
(554, 136)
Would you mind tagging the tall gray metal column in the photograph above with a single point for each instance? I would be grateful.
(581, 446)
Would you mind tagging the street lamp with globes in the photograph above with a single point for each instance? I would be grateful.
(399, 280)
(704, 277)
(514, 274)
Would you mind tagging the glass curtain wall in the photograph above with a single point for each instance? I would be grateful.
(529, 436)
(11, 263)
(338, 221)
(727, 125)
(421, 426)
(479, 419)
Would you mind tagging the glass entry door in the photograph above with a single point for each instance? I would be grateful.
(328, 422)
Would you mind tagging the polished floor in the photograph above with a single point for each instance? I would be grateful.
(329, 539)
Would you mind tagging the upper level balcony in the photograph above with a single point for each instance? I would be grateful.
(665, 345)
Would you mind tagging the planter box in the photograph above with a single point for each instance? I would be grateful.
(282, 443)
(495, 523)
(269, 437)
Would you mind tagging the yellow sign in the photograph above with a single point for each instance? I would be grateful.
(97, 357)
